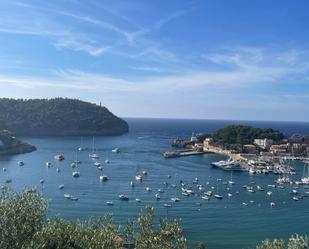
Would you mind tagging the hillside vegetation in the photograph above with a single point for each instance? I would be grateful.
(59, 116)
(10, 145)
(242, 134)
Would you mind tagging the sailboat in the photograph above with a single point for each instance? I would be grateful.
(231, 182)
(93, 155)
(81, 148)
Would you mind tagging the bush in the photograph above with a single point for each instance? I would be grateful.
(295, 242)
(21, 215)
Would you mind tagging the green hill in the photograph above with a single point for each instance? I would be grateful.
(242, 134)
(59, 116)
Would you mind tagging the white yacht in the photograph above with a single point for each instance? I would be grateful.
(123, 197)
(75, 174)
(97, 164)
(116, 150)
(175, 199)
(138, 178)
(20, 163)
(103, 178)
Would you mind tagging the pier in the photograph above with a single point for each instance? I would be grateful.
(182, 153)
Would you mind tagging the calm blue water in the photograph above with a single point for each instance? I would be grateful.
(219, 224)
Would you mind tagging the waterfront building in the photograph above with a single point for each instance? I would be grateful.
(263, 143)
(249, 148)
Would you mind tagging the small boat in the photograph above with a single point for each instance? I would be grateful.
(175, 199)
(295, 198)
(123, 197)
(208, 193)
(244, 204)
(259, 188)
(80, 149)
(73, 165)
(94, 156)
(148, 189)
(138, 178)
(251, 171)
(97, 164)
(229, 194)
(173, 185)
(48, 164)
(132, 184)
(167, 205)
(250, 190)
(294, 192)
(8, 181)
(138, 200)
(103, 178)
(3, 169)
(271, 185)
(70, 197)
(145, 172)
(269, 193)
(160, 190)
(61, 186)
(116, 150)
(100, 168)
(58, 170)
(185, 194)
(158, 196)
(272, 204)
(75, 174)
(205, 197)
(59, 157)
(77, 161)
(220, 197)
(42, 181)
(107, 161)
(109, 203)
(20, 163)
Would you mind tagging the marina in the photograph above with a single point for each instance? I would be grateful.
(203, 196)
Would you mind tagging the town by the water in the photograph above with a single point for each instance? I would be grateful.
(263, 156)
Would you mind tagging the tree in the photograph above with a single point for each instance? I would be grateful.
(21, 215)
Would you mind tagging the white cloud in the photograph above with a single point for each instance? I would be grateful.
(250, 69)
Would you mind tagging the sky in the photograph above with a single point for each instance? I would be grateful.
(203, 59)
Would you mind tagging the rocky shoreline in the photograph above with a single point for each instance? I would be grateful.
(10, 145)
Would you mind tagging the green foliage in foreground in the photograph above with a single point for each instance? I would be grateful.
(295, 242)
(242, 134)
(23, 225)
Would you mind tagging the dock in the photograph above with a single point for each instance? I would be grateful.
(182, 153)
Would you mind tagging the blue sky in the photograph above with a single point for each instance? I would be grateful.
(227, 59)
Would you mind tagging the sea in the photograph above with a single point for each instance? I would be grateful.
(236, 222)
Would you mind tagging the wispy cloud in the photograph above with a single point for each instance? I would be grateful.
(251, 68)
(161, 22)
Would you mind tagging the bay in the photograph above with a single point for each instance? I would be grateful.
(219, 224)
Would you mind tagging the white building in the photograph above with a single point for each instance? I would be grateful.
(263, 143)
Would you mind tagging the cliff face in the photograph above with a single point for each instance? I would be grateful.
(42, 117)
(10, 145)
